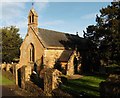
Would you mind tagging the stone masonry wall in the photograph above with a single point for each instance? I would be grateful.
(70, 68)
(25, 49)
(51, 56)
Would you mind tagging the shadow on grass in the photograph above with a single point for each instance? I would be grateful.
(97, 76)
(87, 80)
(83, 82)
(83, 87)
(88, 84)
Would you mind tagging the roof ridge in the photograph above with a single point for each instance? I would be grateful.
(57, 31)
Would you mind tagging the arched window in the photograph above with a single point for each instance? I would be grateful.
(32, 53)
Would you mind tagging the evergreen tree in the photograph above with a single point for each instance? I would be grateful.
(105, 35)
(11, 42)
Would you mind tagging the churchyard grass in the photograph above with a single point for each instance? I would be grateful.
(87, 84)
(5, 81)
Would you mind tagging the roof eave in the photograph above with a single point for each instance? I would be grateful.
(60, 48)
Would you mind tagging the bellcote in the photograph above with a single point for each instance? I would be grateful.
(33, 20)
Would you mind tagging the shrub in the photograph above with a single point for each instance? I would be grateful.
(113, 69)
(111, 87)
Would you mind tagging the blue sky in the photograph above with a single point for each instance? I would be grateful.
(69, 17)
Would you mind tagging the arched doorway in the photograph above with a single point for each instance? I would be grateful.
(75, 62)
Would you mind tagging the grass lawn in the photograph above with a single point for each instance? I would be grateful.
(87, 84)
(5, 81)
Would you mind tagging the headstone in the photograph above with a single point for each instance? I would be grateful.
(51, 80)
(25, 75)
(3, 66)
(8, 66)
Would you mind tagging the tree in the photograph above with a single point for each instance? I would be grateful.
(11, 42)
(105, 35)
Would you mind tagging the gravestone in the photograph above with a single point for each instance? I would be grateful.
(25, 75)
(8, 66)
(51, 80)
(3, 66)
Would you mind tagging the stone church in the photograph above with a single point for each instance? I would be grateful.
(44, 48)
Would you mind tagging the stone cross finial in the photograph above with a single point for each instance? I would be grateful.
(32, 4)
(76, 33)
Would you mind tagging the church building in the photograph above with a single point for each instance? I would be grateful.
(43, 48)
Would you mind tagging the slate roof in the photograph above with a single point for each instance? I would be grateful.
(56, 39)
(65, 56)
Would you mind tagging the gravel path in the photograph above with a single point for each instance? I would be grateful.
(76, 76)
(13, 90)
(6, 91)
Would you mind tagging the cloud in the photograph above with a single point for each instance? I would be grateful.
(19, 24)
(11, 10)
(12, 13)
(89, 16)
(40, 6)
(57, 0)
(26, 0)
(15, 13)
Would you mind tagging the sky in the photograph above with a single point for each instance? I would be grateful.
(68, 17)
